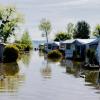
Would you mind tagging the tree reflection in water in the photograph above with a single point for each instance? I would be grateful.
(25, 58)
(91, 77)
(46, 70)
(72, 67)
(41, 53)
(9, 77)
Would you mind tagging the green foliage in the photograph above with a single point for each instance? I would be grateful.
(82, 30)
(9, 20)
(61, 36)
(10, 54)
(20, 46)
(97, 31)
(55, 54)
(45, 26)
(91, 55)
(26, 41)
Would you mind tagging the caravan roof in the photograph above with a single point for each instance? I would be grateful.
(55, 43)
(81, 41)
(69, 41)
(86, 41)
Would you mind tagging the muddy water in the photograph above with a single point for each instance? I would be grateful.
(36, 78)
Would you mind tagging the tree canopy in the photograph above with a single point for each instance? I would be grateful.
(26, 39)
(45, 26)
(82, 30)
(9, 21)
(97, 31)
(61, 36)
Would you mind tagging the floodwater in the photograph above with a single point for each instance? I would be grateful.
(36, 78)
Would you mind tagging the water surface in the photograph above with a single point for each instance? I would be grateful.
(36, 78)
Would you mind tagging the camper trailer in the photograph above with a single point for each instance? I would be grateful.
(79, 46)
(51, 46)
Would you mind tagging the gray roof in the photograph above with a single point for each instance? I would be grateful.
(53, 42)
(57, 43)
(69, 41)
(86, 41)
(81, 41)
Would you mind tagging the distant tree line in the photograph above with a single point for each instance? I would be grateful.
(81, 30)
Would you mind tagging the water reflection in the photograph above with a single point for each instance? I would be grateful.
(72, 67)
(46, 70)
(41, 53)
(25, 58)
(92, 78)
(10, 79)
(51, 60)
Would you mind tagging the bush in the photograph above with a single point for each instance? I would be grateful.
(10, 54)
(91, 56)
(28, 48)
(55, 54)
(23, 47)
(20, 46)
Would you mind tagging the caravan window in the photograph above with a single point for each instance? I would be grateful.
(68, 46)
(49, 46)
(62, 46)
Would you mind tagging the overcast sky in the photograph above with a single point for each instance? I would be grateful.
(59, 12)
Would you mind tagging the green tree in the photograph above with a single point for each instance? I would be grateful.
(26, 40)
(45, 26)
(97, 31)
(62, 36)
(82, 30)
(9, 21)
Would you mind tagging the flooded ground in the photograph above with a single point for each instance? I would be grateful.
(36, 78)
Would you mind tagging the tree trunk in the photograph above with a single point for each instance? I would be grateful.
(47, 37)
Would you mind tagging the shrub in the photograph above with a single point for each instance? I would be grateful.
(20, 46)
(28, 48)
(55, 54)
(91, 56)
(10, 54)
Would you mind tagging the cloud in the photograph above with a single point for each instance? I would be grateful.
(66, 3)
(59, 12)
